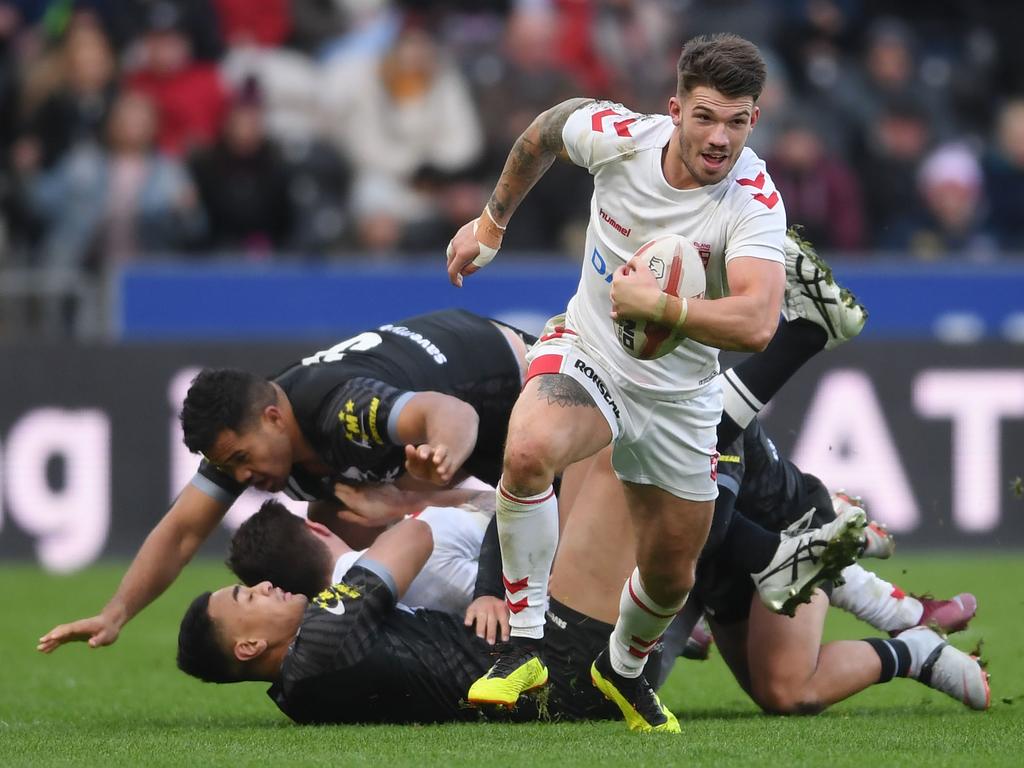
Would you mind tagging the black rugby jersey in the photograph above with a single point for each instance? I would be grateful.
(766, 485)
(346, 398)
(360, 659)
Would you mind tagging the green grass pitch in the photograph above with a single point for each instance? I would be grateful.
(128, 705)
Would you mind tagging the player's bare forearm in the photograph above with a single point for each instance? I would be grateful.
(159, 561)
(736, 323)
(531, 156)
(167, 549)
(745, 320)
(403, 550)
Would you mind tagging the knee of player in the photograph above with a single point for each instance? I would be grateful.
(786, 698)
(527, 463)
(667, 585)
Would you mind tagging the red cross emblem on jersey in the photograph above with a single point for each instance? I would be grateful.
(758, 183)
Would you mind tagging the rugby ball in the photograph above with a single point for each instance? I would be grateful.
(679, 270)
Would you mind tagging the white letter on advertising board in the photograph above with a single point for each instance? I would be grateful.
(70, 522)
(846, 442)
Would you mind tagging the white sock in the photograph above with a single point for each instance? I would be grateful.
(737, 400)
(528, 532)
(920, 641)
(870, 598)
(640, 625)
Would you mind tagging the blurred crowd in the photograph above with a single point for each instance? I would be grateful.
(333, 129)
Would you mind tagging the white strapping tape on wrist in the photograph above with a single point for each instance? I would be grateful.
(487, 253)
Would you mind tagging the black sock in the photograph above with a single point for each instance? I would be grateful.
(764, 373)
(793, 344)
(894, 655)
(728, 431)
(527, 643)
(748, 545)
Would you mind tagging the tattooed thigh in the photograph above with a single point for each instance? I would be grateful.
(559, 389)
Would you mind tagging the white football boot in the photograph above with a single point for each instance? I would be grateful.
(946, 668)
(805, 560)
(813, 294)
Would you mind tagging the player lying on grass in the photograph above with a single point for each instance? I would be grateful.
(350, 655)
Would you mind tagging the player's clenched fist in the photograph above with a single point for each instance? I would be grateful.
(634, 292)
(473, 246)
(432, 463)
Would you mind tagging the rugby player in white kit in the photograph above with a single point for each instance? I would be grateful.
(686, 173)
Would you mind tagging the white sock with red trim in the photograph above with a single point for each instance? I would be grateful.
(528, 532)
(873, 599)
(641, 624)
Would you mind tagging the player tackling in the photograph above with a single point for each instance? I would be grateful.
(687, 173)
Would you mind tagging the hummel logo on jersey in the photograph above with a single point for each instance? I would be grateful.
(624, 231)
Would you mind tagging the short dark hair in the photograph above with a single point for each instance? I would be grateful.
(199, 651)
(275, 545)
(730, 64)
(219, 399)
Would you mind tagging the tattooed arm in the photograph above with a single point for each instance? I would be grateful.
(531, 156)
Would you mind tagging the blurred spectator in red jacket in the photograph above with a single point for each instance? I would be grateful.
(260, 22)
(189, 96)
(820, 191)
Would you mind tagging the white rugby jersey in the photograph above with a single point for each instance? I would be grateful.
(448, 578)
(742, 215)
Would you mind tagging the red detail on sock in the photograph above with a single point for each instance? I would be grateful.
(514, 586)
(898, 593)
(639, 641)
(544, 364)
(639, 654)
(517, 606)
(632, 594)
(515, 500)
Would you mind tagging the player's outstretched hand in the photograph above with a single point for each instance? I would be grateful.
(371, 505)
(634, 291)
(97, 630)
(432, 463)
(490, 615)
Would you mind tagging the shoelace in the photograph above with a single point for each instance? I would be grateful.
(509, 663)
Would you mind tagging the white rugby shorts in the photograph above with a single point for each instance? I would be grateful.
(670, 444)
